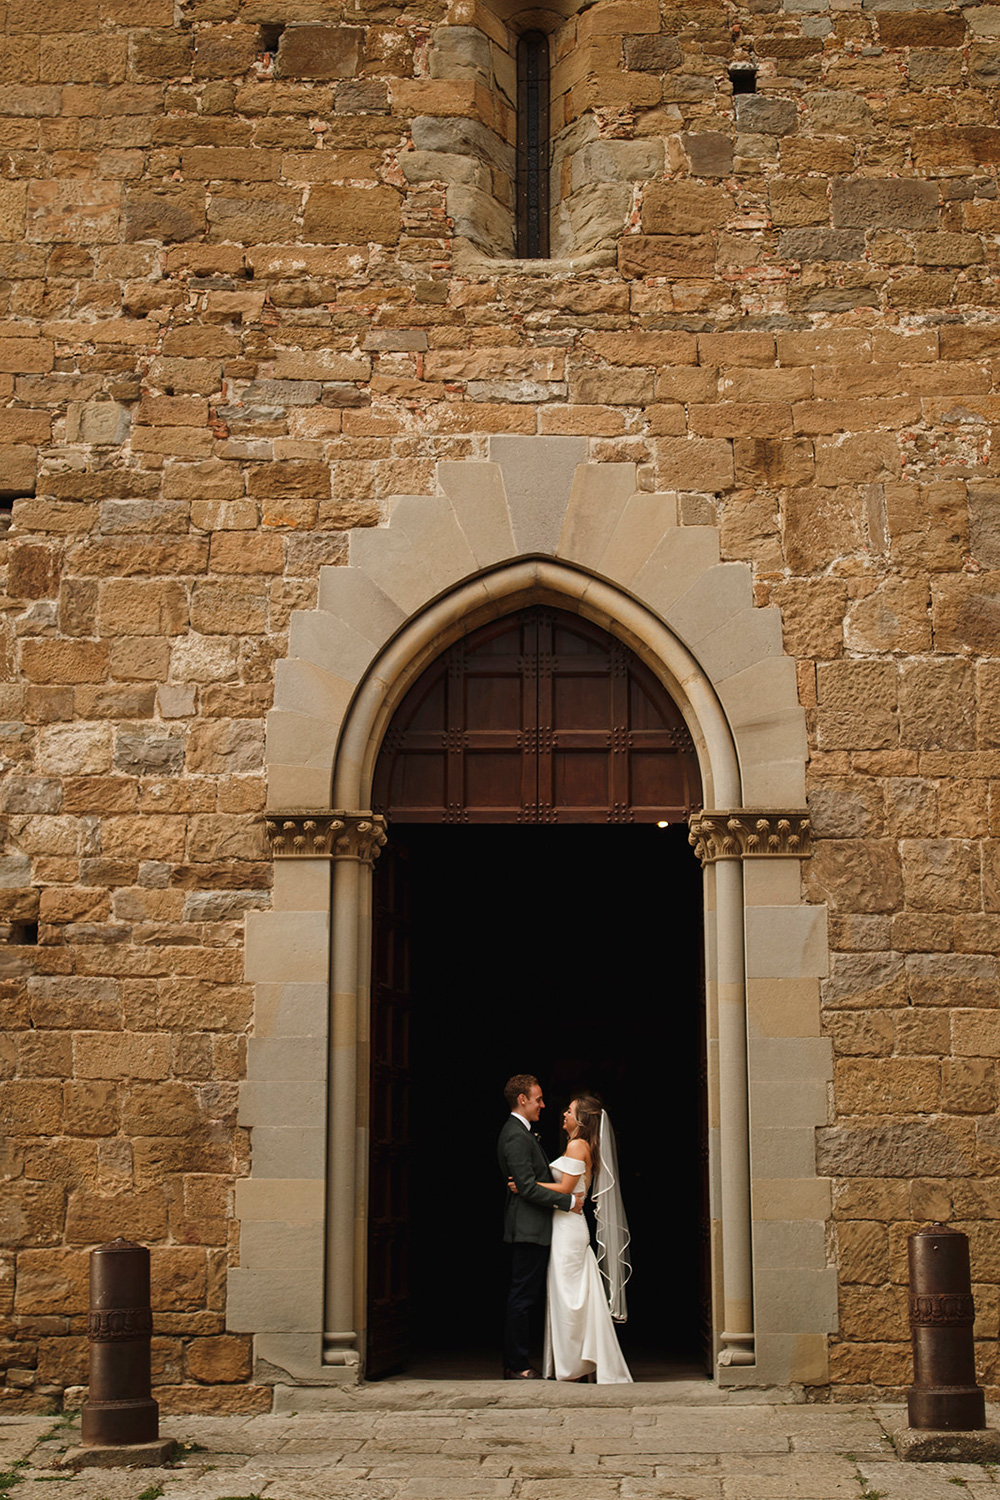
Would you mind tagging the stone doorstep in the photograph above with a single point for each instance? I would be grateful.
(458, 1395)
(121, 1455)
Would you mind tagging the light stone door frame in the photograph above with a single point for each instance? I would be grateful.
(536, 523)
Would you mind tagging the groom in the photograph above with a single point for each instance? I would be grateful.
(527, 1219)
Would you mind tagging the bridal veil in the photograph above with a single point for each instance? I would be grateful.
(612, 1225)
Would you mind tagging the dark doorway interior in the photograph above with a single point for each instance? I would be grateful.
(572, 952)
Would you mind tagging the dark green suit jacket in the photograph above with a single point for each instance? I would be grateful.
(527, 1215)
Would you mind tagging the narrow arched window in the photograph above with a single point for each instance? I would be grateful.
(533, 145)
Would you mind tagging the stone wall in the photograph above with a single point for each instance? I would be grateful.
(239, 313)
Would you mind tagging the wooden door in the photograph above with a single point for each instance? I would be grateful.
(539, 717)
(389, 1120)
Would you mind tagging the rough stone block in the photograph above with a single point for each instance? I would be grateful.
(222, 51)
(822, 525)
(937, 705)
(941, 874)
(932, 68)
(984, 20)
(225, 1358)
(462, 137)
(168, 215)
(260, 214)
(856, 875)
(228, 608)
(477, 216)
(894, 617)
(684, 208)
(18, 467)
(162, 54)
(907, 28)
(353, 215)
(984, 522)
(942, 249)
(966, 614)
(666, 255)
(822, 244)
(289, 481)
(13, 202)
(890, 203)
(97, 422)
(319, 52)
(52, 1281)
(142, 607)
(864, 459)
(732, 418)
(694, 464)
(75, 57)
(762, 114)
(51, 661)
(28, 100)
(798, 201)
(652, 54)
(919, 1149)
(710, 154)
(460, 52)
(860, 690)
(75, 212)
(30, 1211)
(616, 161)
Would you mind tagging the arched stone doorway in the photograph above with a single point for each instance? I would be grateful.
(536, 524)
(569, 943)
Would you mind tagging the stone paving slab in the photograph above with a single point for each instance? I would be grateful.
(678, 1487)
(927, 1481)
(580, 1449)
(793, 1476)
(18, 1436)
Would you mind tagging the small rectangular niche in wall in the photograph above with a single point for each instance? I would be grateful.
(743, 79)
(268, 37)
(24, 934)
(7, 498)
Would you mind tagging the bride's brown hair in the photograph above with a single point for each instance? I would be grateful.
(588, 1118)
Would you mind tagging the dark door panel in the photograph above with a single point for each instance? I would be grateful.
(540, 717)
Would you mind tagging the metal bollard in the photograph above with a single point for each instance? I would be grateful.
(944, 1396)
(119, 1408)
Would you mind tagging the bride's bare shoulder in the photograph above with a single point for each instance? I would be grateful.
(579, 1150)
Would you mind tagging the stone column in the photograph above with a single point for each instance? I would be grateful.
(355, 844)
(725, 839)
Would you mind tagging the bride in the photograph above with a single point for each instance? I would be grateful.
(585, 1299)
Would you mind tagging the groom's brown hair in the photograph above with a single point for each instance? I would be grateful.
(521, 1083)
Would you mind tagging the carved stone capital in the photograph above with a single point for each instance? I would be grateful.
(326, 835)
(749, 835)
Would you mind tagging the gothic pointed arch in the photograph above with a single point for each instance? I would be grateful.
(534, 524)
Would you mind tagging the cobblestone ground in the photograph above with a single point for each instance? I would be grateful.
(448, 1442)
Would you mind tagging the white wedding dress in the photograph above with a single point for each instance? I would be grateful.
(579, 1333)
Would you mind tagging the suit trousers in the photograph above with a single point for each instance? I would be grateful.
(528, 1266)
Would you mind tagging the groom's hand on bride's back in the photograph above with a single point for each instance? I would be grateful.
(577, 1197)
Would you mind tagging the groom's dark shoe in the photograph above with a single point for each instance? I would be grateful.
(528, 1374)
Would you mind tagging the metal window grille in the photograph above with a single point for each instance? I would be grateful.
(533, 146)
